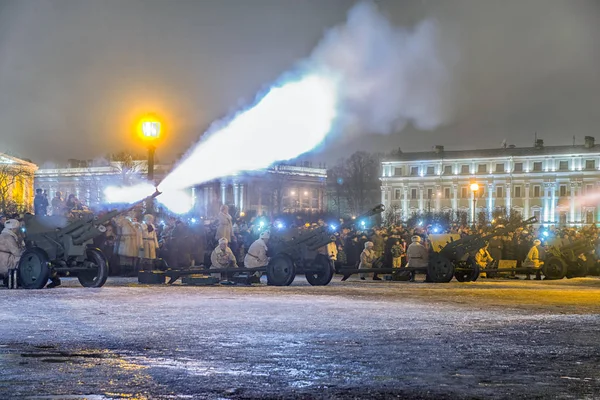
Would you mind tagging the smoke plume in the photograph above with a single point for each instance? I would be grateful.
(390, 76)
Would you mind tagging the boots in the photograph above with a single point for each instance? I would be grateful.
(54, 282)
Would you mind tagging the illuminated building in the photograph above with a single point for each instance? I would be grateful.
(282, 188)
(16, 184)
(557, 184)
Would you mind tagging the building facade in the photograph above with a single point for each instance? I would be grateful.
(277, 190)
(16, 184)
(557, 184)
(282, 188)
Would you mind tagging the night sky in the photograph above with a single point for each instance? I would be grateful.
(75, 74)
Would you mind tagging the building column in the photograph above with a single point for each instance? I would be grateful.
(236, 195)
(223, 193)
(405, 203)
(579, 215)
(508, 201)
(383, 194)
(553, 202)
(421, 190)
(546, 210)
(526, 202)
(572, 205)
(205, 200)
(454, 198)
(241, 197)
(490, 200)
(211, 200)
(438, 198)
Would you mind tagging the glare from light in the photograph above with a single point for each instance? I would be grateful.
(261, 224)
(332, 226)
(280, 225)
(545, 233)
(363, 223)
(474, 187)
(193, 220)
(436, 230)
(293, 193)
(176, 201)
(420, 223)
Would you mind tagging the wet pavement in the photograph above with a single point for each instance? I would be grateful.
(357, 339)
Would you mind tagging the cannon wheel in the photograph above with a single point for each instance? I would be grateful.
(97, 278)
(554, 268)
(578, 269)
(281, 271)
(469, 275)
(34, 268)
(440, 269)
(324, 276)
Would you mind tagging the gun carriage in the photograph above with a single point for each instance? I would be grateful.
(58, 245)
(291, 253)
(450, 256)
(565, 259)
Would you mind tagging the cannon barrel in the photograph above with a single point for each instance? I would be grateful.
(321, 236)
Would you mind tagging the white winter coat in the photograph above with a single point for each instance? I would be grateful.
(10, 251)
(225, 227)
(256, 255)
(129, 238)
(150, 240)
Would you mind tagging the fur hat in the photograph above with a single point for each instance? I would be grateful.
(416, 238)
(265, 235)
(368, 244)
(12, 224)
(223, 240)
(537, 242)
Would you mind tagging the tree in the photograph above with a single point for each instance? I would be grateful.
(359, 177)
(127, 164)
(13, 178)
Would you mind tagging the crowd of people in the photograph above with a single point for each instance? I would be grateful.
(135, 242)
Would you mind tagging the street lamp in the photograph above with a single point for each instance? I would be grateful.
(151, 133)
(474, 189)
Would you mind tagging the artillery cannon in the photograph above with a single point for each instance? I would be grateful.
(54, 244)
(291, 253)
(456, 258)
(298, 253)
(564, 259)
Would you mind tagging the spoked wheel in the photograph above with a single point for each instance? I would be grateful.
(440, 269)
(322, 271)
(281, 271)
(554, 268)
(34, 269)
(468, 271)
(96, 276)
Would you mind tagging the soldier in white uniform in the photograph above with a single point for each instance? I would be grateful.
(10, 248)
(222, 257)
(417, 256)
(257, 253)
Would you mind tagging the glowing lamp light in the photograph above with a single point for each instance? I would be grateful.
(363, 223)
(280, 225)
(261, 224)
(193, 220)
(436, 229)
(149, 129)
(545, 233)
(420, 223)
(242, 214)
(474, 187)
(332, 226)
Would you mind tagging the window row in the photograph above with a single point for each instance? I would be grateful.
(464, 192)
(500, 168)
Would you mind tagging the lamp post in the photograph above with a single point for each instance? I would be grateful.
(150, 134)
(474, 189)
